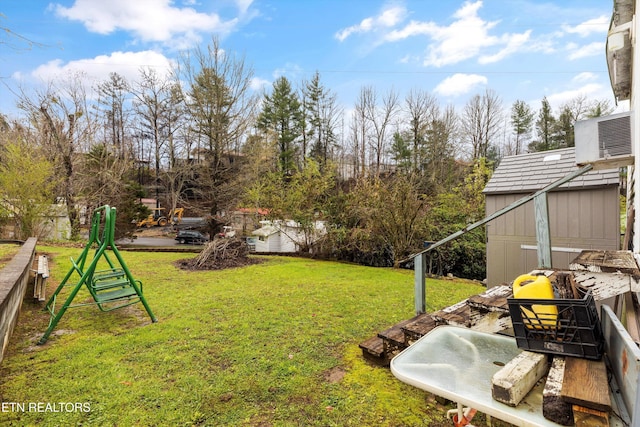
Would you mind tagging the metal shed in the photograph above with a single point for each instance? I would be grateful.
(583, 213)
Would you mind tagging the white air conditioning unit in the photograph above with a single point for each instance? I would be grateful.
(606, 142)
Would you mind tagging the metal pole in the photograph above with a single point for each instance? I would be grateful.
(543, 234)
(419, 282)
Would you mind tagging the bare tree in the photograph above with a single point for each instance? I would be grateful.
(599, 107)
(481, 121)
(421, 108)
(360, 131)
(573, 110)
(18, 42)
(221, 108)
(158, 107)
(441, 149)
(63, 127)
(380, 118)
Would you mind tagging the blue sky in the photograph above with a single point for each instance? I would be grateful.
(454, 49)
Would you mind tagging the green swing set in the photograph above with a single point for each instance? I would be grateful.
(112, 287)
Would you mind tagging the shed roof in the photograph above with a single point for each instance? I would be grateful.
(527, 173)
(266, 230)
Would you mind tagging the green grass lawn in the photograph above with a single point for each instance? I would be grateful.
(272, 344)
(7, 251)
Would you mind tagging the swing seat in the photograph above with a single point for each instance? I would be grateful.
(111, 288)
(113, 285)
(116, 295)
(108, 279)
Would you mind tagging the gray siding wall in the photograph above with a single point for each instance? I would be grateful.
(579, 219)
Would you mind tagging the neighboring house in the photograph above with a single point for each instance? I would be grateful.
(247, 220)
(285, 236)
(149, 203)
(54, 226)
(583, 213)
(57, 226)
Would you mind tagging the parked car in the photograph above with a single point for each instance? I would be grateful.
(191, 236)
(227, 232)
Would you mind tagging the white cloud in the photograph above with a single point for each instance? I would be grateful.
(386, 19)
(589, 90)
(513, 43)
(585, 77)
(591, 49)
(149, 20)
(413, 28)
(290, 70)
(243, 5)
(259, 84)
(466, 37)
(459, 84)
(126, 64)
(598, 25)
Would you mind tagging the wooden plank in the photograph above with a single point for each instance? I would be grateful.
(512, 383)
(40, 282)
(587, 417)
(599, 261)
(394, 336)
(585, 383)
(493, 299)
(492, 322)
(374, 346)
(631, 213)
(419, 327)
(373, 351)
(489, 311)
(457, 315)
(632, 316)
(554, 407)
(606, 285)
(565, 285)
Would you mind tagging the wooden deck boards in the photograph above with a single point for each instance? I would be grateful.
(606, 262)
(585, 383)
(606, 273)
(419, 327)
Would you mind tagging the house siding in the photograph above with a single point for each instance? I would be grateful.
(578, 219)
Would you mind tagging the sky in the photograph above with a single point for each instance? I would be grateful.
(453, 49)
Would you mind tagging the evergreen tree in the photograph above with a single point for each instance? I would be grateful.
(114, 96)
(282, 115)
(323, 112)
(522, 121)
(545, 126)
(400, 151)
(564, 135)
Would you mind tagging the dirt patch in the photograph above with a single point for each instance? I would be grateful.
(335, 374)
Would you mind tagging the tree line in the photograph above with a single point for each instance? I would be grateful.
(386, 175)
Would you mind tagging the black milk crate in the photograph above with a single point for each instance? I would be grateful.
(575, 332)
